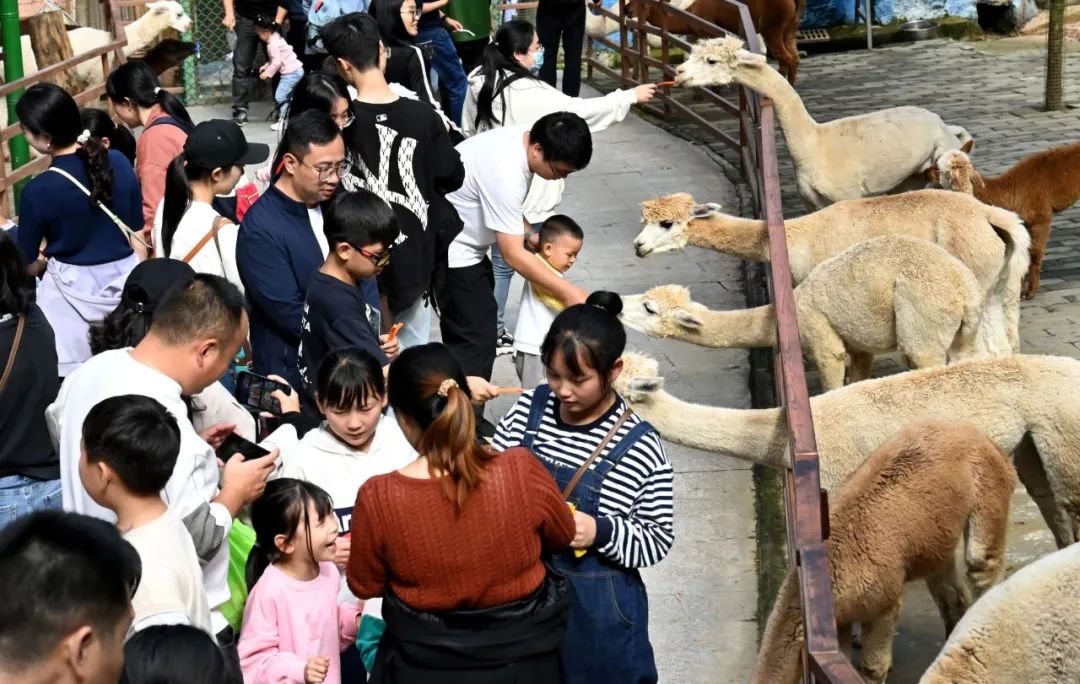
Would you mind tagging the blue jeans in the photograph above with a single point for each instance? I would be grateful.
(448, 66)
(503, 275)
(417, 320)
(21, 496)
(284, 89)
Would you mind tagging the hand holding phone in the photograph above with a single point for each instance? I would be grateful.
(256, 391)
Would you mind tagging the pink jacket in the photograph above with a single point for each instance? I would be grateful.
(155, 149)
(287, 621)
(280, 56)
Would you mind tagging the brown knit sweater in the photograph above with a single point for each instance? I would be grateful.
(407, 533)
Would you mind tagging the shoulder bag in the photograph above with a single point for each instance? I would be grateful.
(123, 227)
(14, 350)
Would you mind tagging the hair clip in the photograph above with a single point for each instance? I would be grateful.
(83, 137)
(445, 385)
(157, 91)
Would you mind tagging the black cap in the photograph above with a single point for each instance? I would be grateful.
(220, 143)
(148, 282)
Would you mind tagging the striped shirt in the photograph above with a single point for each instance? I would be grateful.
(635, 527)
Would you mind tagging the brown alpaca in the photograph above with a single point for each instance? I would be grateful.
(776, 21)
(899, 518)
(1036, 188)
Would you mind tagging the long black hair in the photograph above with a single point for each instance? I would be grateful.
(387, 14)
(591, 333)
(102, 127)
(282, 509)
(499, 69)
(317, 90)
(47, 109)
(136, 82)
(178, 195)
(14, 285)
(173, 654)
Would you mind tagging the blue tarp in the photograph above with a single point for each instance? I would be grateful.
(827, 13)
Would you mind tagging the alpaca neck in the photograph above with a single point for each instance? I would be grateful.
(740, 329)
(746, 238)
(755, 435)
(800, 129)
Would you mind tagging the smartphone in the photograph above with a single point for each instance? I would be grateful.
(235, 444)
(255, 390)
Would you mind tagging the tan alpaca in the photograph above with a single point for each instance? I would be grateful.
(890, 293)
(990, 241)
(899, 518)
(1026, 404)
(857, 156)
(1025, 630)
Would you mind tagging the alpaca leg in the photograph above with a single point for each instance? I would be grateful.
(1057, 446)
(877, 639)
(987, 526)
(951, 592)
(925, 359)
(1029, 468)
(823, 346)
(792, 47)
(862, 366)
(1039, 229)
(775, 44)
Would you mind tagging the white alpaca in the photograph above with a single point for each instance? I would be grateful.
(890, 293)
(990, 241)
(1026, 629)
(1026, 404)
(857, 156)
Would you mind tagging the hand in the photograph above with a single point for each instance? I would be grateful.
(341, 550)
(584, 532)
(317, 667)
(481, 389)
(216, 434)
(532, 242)
(229, 21)
(263, 75)
(244, 480)
(645, 92)
(453, 25)
(390, 347)
(289, 403)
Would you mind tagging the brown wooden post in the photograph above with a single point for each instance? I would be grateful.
(624, 48)
(642, 42)
(51, 45)
(665, 57)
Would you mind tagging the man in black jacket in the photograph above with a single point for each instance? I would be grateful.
(400, 150)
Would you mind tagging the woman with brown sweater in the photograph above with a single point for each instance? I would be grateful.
(452, 543)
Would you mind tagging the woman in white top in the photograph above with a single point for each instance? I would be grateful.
(186, 226)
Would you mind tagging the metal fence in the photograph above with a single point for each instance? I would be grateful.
(805, 503)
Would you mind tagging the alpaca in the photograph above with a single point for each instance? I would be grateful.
(1025, 404)
(1036, 188)
(858, 156)
(899, 518)
(891, 293)
(990, 241)
(1026, 629)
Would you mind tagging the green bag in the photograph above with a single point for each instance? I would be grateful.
(241, 539)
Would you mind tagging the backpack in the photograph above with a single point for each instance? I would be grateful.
(172, 121)
(322, 12)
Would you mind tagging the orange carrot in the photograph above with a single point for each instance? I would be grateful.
(665, 84)
(394, 330)
(510, 390)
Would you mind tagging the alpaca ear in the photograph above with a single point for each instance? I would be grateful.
(967, 147)
(687, 319)
(158, 6)
(703, 210)
(749, 59)
(646, 385)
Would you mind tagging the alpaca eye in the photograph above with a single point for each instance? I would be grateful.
(666, 225)
(649, 307)
(712, 60)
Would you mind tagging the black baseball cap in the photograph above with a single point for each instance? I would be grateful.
(149, 281)
(220, 143)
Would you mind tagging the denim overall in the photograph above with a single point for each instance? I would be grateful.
(607, 638)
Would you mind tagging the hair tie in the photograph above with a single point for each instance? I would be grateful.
(445, 385)
(83, 137)
(157, 91)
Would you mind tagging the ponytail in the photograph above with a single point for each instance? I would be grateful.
(426, 384)
(96, 157)
(589, 333)
(136, 82)
(176, 201)
(513, 37)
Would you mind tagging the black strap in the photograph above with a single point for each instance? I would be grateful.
(172, 121)
(14, 350)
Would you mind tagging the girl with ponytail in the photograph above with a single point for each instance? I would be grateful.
(86, 211)
(456, 536)
(139, 100)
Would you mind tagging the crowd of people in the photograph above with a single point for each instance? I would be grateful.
(164, 522)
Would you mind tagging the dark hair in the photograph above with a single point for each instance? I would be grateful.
(308, 128)
(267, 24)
(513, 37)
(136, 437)
(318, 90)
(46, 108)
(282, 509)
(63, 571)
(355, 38)
(173, 654)
(102, 127)
(122, 327)
(349, 377)
(448, 422)
(178, 195)
(14, 283)
(564, 137)
(136, 81)
(387, 15)
(206, 306)
(359, 218)
(589, 332)
(557, 225)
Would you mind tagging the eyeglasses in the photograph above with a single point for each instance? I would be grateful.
(327, 172)
(409, 12)
(557, 175)
(379, 260)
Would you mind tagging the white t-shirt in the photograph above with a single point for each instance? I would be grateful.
(171, 589)
(492, 198)
(197, 221)
(533, 322)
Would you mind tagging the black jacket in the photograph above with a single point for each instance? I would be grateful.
(25, 446)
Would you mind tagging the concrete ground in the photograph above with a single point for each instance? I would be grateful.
(703, 595)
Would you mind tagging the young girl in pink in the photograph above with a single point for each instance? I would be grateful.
(294, 630)
(280, 59)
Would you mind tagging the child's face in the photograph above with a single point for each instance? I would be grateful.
(263, 34)
(323, 536)
(367, 261)
(561, 252)
(356, 426)
(579, 394)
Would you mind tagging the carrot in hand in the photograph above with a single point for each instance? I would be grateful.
(394, 330)
(665, 84)
(509, 390)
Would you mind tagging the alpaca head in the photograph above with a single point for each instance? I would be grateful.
(663, 311)
(717, 62)
(170, 14)
(639, 379)
(665, 220)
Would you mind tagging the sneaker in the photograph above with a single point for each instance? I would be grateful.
(239, 117)
(504, 343)
(276, 126)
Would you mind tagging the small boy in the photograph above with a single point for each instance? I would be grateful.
(130, 444)
(560, 241)
(361, 229)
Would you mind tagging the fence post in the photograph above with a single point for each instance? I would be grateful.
(642, 41)
(624, 48)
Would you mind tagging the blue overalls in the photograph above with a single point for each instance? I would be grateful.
(607, 638)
